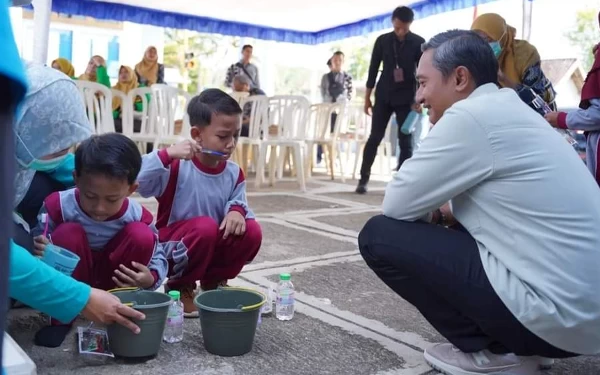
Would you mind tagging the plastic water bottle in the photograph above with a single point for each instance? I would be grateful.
(542, 107)
(174, 327)
(284, 307)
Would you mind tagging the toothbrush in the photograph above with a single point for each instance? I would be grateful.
(46, 224)
(45, 221)
(212, 152)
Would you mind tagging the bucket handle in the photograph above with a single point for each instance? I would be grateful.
(250, 307)
(125, 289)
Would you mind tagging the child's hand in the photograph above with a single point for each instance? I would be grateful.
(126, 277)
(183, 150)
(234, 223)
(39, 245)
(552, 118)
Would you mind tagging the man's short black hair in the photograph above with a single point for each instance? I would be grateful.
(112, 155)
(339, 53)
(201, 107)
(404, 14)
(246, 46)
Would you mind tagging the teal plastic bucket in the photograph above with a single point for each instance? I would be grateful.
(60, 259)
(155, 306)
(228, 318)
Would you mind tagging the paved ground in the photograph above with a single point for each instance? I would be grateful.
(347, 321)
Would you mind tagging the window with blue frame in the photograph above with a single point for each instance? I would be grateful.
(65, 48)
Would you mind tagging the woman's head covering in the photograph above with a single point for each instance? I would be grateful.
(123, 86)
(91, 76)
(148, 68)
(51, 118)
(65, 66)
(517, 55)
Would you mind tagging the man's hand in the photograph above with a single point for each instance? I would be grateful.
(103, 307)
(184, 150)
(234, 223)
(39, 245)
(141, 277)
(449, 219)
(552, 118)
(368, 107)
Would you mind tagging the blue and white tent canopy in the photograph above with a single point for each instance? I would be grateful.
(304, 21)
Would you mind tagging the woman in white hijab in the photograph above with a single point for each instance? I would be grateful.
(49, 122)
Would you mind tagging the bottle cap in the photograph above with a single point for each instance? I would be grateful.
(175, 294)
(285, 276)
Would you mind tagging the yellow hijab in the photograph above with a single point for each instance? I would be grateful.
(124, 86)
(148, 68)
(65, 66)
(92, 75)
(517, 55)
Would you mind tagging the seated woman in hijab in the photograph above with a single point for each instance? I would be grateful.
(96, 71)
(48, 124)
(65, 66)
(520, 63)
(149, 71)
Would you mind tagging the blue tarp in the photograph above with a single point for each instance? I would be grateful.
(122, 12)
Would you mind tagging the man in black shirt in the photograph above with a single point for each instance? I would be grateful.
(400, 52)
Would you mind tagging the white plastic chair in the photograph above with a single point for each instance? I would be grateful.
(239, 96)
(285, 130)
(147, 117)
(97, 99)
(259, 114)
(361, 135)
(319, 133)
(167, 103)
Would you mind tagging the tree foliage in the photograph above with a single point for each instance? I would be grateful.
(585, 35)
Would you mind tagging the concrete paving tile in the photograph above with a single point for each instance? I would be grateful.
(301, 346)
(374, 198)
(278, 204)
(352, 221)
(352, 286)
(283, 243)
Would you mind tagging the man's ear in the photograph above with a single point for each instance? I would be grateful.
(462, 79)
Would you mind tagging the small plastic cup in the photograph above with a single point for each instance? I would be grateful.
(60, 259)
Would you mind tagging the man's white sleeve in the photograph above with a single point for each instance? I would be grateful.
(454, 157)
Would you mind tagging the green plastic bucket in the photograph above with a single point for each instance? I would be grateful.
(228, 317)
(155, 306)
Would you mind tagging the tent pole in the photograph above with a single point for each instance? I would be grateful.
(41, 29)
(527, 18)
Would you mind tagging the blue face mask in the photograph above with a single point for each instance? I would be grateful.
(49, 165)
(496, 48)
(40, 165)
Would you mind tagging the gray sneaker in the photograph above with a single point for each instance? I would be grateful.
(449, 360)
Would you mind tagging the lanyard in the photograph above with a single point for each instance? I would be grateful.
(394, 42)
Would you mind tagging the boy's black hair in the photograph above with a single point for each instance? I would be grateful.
(247, 46)
(201, 107)
(111, 154)
(404, 14)
(339, 53)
